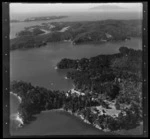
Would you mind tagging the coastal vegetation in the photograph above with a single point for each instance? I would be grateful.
(34, 32)
(107, 91)
(78, 33)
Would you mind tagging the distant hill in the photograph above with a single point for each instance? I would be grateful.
(107, 7)
(79, 32)
(43, 18)
(14, 21)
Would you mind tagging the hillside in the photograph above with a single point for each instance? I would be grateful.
(107, 91)
(77, 33)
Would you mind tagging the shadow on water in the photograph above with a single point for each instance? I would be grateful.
(31, 119)
(132, 126)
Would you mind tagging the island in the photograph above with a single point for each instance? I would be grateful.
(43, 18)
(107, 91)
(14, 21)
(38, 19)
(77, 33)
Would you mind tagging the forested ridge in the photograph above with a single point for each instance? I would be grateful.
(78, 33)
(104, 79)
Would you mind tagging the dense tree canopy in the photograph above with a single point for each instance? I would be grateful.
(104, 77)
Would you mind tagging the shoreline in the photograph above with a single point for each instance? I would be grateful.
(16, 116)
(69, 112)
(18, 97)
(80, 44)
(80, 117)
(118, 132)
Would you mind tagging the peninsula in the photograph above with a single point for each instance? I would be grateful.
(77, 33)
(38, 19)
(107, 91)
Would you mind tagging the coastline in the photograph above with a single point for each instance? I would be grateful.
(18, 97)
(16, 116)
(80, 117)
(109, 112)
(72, 114)
(57, 123)
(118, 132)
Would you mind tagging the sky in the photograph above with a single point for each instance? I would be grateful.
(64, 7)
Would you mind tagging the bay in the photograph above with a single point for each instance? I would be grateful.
(73, 16)
(37, 66)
